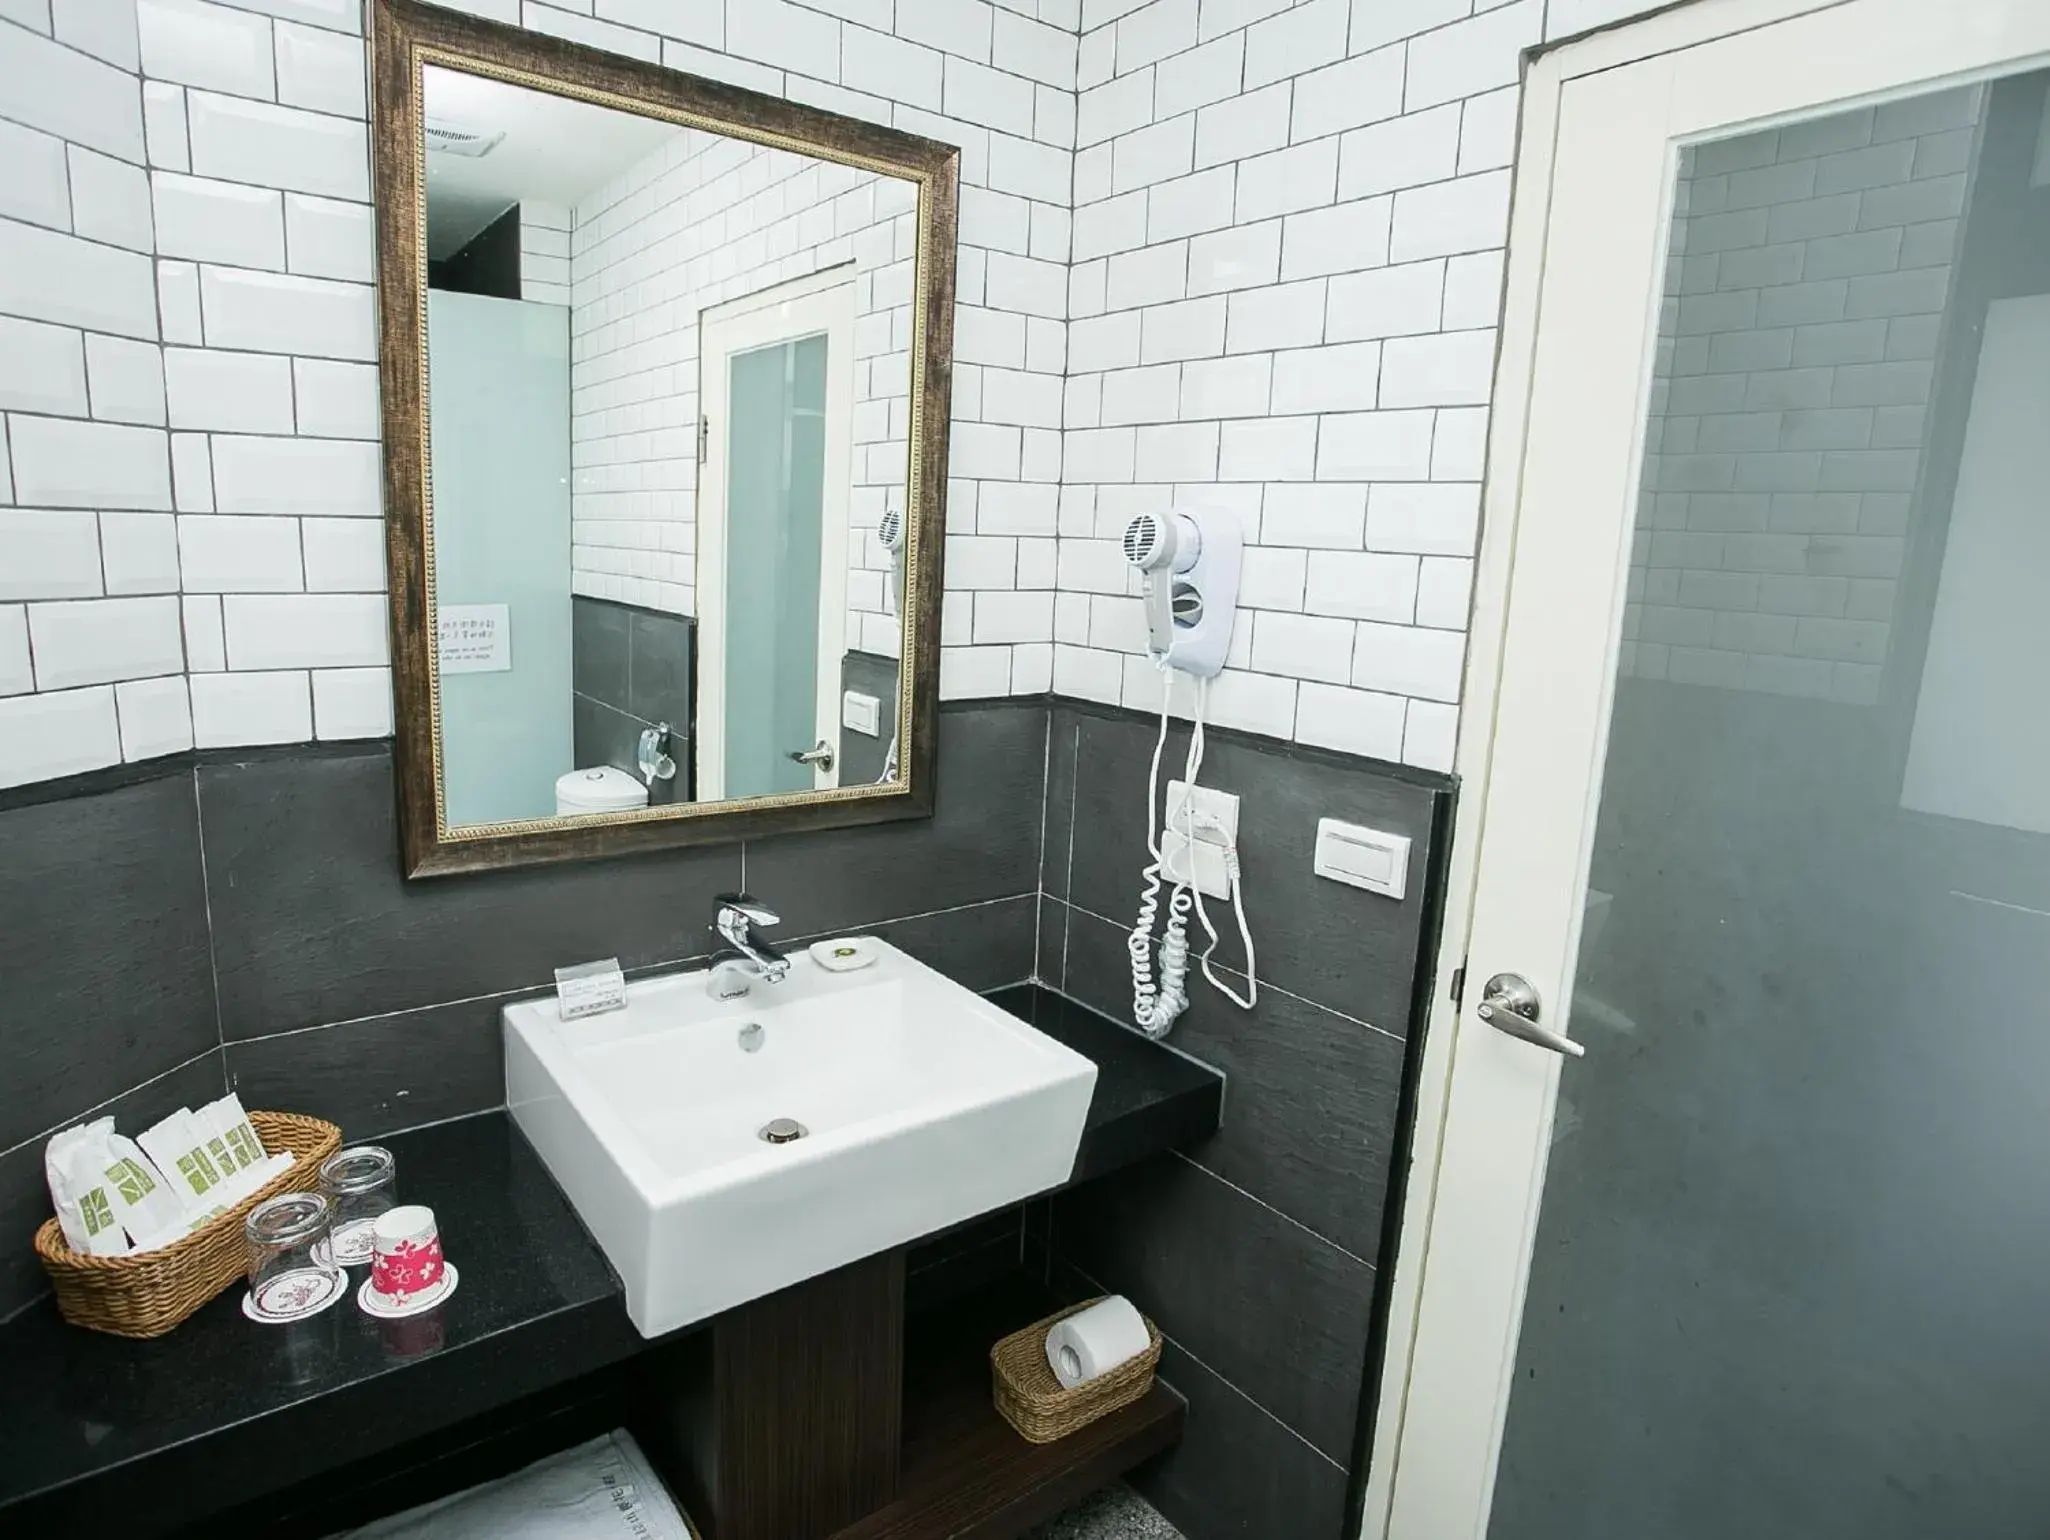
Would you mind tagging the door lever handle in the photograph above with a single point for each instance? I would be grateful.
(1510, 1004)
(820, 754)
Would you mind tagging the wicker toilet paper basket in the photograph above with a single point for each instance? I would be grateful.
(146, 1296)
(1032, 1400)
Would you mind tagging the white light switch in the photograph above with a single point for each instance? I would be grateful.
(1362, 857)
(860, 713)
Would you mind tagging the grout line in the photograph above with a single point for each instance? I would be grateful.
(1265, 984)
(1045, 804)
(206, 898)
(1256, 1198)
(1067, 924)
(410, 1128)
(1183, 1347)
(140, 1085)
(1247, 1397)
(408, 1010)
(1074, 797)
(926, 914)
(245, 7)
(635, 973)
(113, 688)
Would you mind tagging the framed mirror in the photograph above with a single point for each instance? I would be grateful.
(665, 370)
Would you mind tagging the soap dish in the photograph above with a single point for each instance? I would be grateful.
(1031, 1400)
(844, 954)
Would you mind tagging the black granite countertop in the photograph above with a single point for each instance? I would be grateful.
(93, 1426)
(221, 1411)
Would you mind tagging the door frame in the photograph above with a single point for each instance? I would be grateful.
(819, 303)
(1401, 1434)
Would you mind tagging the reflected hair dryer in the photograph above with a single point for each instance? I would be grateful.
(890, 536)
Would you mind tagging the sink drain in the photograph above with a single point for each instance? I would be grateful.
(782, 1131)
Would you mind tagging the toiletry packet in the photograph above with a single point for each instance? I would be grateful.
(75, 1162)
(245, 1184)
(237, 1133)
(178, 1146)
(151, 1213)
(236, 1149)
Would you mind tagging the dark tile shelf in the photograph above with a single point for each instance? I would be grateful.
(221, 1411)
(1149, 1096)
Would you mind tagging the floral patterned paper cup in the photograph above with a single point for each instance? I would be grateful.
(407, 1262)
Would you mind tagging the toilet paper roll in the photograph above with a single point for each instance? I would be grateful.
(1095, 1341)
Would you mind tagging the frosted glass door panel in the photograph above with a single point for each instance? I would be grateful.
(1792, 1269)
(498, 395)
(775, 521)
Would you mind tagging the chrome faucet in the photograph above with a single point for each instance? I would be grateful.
(746, 957)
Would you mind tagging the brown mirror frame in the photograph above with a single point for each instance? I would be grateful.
(406, 36)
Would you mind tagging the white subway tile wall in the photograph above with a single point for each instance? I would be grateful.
(1306, 340)
(1241, 254)
(186, 365)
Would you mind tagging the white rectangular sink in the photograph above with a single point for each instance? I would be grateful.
(923, 1105)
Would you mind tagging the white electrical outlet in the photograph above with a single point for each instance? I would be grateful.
(1210, 877)
(1220, 807)
(1201, 862)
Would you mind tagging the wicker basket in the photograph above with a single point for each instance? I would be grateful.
(147, 1295)
(1032, 1400)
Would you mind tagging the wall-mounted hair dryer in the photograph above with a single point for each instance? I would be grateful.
(1191, 562)
(1190, 559)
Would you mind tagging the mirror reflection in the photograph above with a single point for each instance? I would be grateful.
(669, 392)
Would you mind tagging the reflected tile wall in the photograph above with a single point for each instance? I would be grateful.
(632, 669)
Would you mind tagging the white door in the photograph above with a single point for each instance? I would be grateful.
(1756, 761)
(776, 381)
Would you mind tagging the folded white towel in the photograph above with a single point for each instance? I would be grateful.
(603, 1488)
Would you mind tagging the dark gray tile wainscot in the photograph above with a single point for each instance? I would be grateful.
(1260, 1250)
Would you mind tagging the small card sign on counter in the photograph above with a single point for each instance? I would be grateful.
(473, 638)
(589, 989)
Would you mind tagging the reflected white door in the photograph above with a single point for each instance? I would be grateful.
(776, 376)
(1755, 771)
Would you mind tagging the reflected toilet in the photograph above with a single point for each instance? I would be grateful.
(606, 789)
